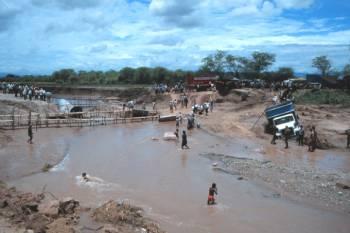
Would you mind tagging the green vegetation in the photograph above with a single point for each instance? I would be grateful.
(224, 64)
(323, 96)
(323, 64)
(126, 76)
(220, 63)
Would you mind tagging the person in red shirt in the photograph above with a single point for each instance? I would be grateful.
(212, 191)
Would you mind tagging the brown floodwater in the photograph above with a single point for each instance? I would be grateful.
(169, 183)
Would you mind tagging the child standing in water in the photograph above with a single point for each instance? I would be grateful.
(212, 191)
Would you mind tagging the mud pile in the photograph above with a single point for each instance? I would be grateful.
(124, 217)
(34, 213)
(27, 212)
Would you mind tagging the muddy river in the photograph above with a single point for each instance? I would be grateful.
(169, 183)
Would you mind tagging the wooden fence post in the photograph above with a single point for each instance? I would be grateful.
(30, 117)
(13, 118)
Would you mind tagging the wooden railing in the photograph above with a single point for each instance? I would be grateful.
(76, 119)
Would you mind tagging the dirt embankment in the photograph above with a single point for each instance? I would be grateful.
(330, 121)
(326, 188)
(40, 213)
(123, 93)
(241, 114)
(9, 104)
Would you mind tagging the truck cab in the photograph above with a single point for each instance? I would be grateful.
(286, 120)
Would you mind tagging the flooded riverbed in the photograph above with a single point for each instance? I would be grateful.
(169, 183)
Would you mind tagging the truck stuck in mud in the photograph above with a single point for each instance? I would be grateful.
(280, 116)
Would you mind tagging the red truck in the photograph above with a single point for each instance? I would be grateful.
(201, 82)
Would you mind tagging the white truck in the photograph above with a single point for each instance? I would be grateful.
(280, 116)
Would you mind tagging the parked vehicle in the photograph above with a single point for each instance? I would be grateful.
(280, 116)
(201, 83)
(294, 83)
(315, 86)
(225, 85)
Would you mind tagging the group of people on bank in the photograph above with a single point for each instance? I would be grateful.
(300, 137)
(312, 140)
(25, 91)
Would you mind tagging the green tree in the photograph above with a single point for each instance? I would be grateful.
(160, 75)
(142, 75)
(63, 75)
(261, 61)
(346, 70)
(214, 64)
(233, 65)
(346, 79)
(323, 64)
(126, 74)
(111, 77)
(284, 73)
(179, 75)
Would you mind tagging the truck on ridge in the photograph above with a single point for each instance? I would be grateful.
(201, 83)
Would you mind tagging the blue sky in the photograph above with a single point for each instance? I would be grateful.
(40, 36)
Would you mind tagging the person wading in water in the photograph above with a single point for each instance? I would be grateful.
(212, 191)
(184, 140)
(30, 134)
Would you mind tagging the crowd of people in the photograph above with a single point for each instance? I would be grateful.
(162, 88)
(27, 92)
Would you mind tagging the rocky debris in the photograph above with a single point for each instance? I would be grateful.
(36, 214)
(50, 208)
(110, 229)
(124, 215)
(37, 222)
(61, 225)
(68, 206)
(31, 212)
(343, 184)
(328, 188)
